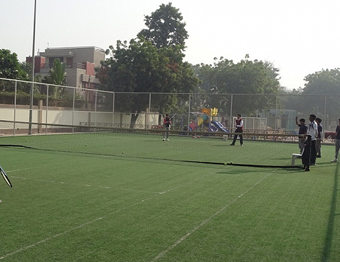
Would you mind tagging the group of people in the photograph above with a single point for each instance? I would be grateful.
(310, 135)
(310, 138)
(313, 135)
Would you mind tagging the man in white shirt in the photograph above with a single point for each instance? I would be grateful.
(313, 133)
(239, 129)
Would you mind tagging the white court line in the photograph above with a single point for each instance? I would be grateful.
(179, 241)
(72, 229)
(91, 222)
(86, 185)
(22, 169)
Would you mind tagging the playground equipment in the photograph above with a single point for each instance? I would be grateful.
(206, 118)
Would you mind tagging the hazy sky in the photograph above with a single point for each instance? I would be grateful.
(299, 37)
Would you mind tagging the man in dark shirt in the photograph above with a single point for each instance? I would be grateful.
(239, 129)
(166, 124)
(302, 132)
(337, 142)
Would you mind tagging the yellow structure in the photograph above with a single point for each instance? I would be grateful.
(210, 111)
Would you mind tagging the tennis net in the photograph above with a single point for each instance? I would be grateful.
(200, 147)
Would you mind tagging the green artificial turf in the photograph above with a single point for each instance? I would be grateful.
(68, 206)
(205, 149)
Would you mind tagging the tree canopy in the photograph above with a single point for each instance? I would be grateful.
(324, 82)
(56, 76)
(165, 27)
(321, 85)
(10, 66)
(141, 67)
(244, 77)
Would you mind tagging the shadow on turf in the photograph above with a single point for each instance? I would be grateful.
(132, 158)
(237, 171)
(243, 170)
(331, 219)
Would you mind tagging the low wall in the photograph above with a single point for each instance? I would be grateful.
(66, 116)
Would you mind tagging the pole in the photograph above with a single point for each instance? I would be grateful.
(33, 68)
(231, 123)
(189, 110)
(15, 104)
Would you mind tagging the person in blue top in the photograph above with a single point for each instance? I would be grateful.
(337, 142)
(302, 132)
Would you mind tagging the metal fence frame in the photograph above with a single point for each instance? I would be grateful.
(95, 109)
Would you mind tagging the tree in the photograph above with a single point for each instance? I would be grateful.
(254, 82)
(324, 82)
(142, 67)
(322, 93)
(56, 76)
(153, 62)
(10, 68)
(165, 27)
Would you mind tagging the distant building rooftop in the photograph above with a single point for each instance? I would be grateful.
(77, 47)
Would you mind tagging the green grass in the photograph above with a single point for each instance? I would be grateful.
(84, 207)
(152, 147)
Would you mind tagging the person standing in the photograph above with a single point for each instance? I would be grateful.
(313, 133)
(319, 138)
(239, 129)
(302, 132)
(167, 125)
(337, 142)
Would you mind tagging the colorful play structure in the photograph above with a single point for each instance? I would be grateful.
(205, 118)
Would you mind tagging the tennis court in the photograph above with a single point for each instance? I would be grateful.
(133, 197)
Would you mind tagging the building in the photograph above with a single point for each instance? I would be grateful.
(80, 64)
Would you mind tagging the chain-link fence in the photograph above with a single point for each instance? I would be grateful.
(80, 106)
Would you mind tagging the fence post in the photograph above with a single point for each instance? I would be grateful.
(189, 111)
(325, 111)
(113, 109)
(47, 93)
(147, 116)
(275, 120)
(95, 107)
(15, 104)
(40, 106)
(73, 106)
(231, 113)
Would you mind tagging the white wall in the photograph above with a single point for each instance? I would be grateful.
(69, 117)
